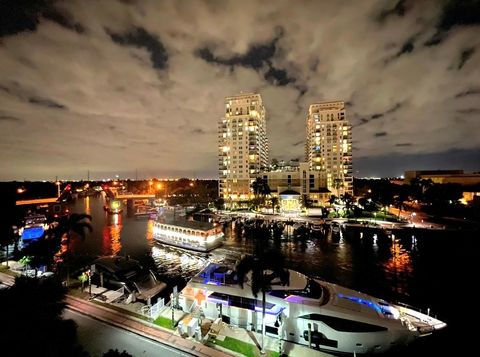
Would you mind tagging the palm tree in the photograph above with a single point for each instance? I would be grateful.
(265, 268)
(348, 200)
(72, 227)
(337, 183)
(274, 202)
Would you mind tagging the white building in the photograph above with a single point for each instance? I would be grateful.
(328, 146)
(243, 146)
(291, 183)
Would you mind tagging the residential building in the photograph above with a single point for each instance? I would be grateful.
(328, 146)
(294, 183)
(243, 146)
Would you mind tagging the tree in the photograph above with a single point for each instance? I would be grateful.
(69, 228)
(116, 353)
(41, 252)
(348, 200)
(267, 269)
(400, 198)
(337, 184)
(8, 219)
(332, 199)
(274, 202)
(34, 320)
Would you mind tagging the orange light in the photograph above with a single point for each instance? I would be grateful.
(21, 190)
(159, 186)
(150, 183)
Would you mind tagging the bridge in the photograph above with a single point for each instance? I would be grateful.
(62, 197)
(38, 201)
(132, 196)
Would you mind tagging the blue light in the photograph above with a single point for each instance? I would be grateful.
(32, 233)
(362, 302)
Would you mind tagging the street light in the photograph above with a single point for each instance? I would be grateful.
(21, 190)
(58, 183)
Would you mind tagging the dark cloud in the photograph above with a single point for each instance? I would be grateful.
(24, 15)
(464, 56)
(459, 13)
(455, 13)
(301, 142)
(46, 103)
(381, 133)
(407, 47)
(279, 77)
(469, 111)
(376, 116)
(398, 10)
(403, 144)
(258, 57)
(9, 118)
(198, 131)
(140, 38)
(468, 92)
(63, 18)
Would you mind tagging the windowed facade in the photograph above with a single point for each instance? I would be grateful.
(243, 146)
(329, 145)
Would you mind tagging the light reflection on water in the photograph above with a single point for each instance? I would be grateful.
(407, 268)
(112, 244)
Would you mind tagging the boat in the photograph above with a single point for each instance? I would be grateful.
(34, 228)
(307, 311)
(194, 235)
(113, 206)
(114, 272)
(145, 212)
(335, 227)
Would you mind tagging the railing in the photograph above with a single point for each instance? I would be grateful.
(427, 311)
(153, 311)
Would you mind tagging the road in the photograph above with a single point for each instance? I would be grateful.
(97, 338)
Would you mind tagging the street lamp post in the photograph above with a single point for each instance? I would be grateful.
(58, 188)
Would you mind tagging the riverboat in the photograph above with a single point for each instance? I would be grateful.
(194, 235)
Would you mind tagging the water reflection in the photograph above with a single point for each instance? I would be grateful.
(174, 262)
(149, 233)
(399, 267)
(111, 243)
(87, 205)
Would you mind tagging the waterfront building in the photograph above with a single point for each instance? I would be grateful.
(328, 146)
(295, 184)
(243, 146)
(444, 176)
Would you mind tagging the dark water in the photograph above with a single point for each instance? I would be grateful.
(436, 270)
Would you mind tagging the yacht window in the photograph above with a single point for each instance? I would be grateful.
(312, 290)
(344, 325)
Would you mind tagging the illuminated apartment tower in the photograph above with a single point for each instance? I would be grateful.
(329, 145)
(243, 146)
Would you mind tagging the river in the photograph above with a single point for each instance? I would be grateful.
(434, 272)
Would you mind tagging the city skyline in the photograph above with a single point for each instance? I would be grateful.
(115, 87)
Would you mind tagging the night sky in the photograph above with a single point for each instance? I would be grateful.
(119, 86)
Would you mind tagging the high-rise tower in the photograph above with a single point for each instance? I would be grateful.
(329, 145)
(243, 146)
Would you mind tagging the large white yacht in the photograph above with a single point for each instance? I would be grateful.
(308, 311)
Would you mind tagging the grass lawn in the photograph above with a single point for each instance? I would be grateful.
(244, 348)
(164, 322)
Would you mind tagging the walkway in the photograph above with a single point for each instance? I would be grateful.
(141, 327)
